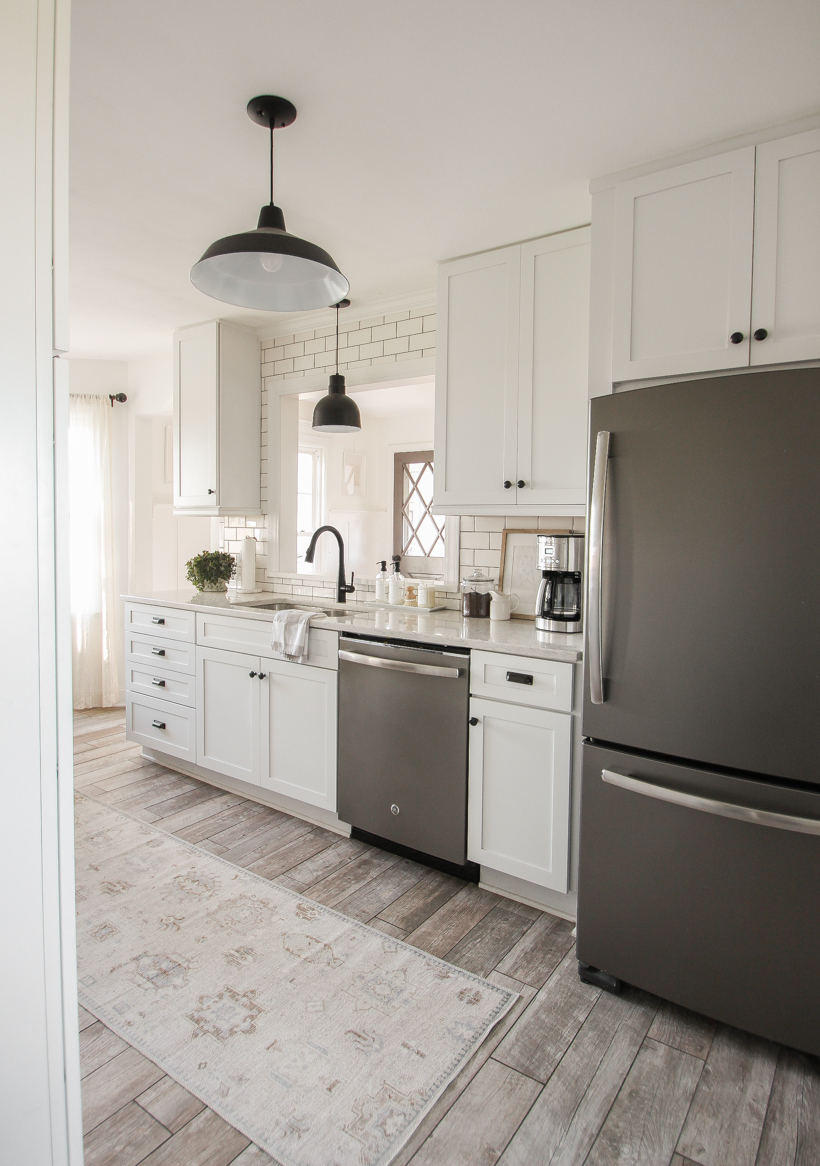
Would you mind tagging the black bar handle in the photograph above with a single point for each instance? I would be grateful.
(519, 678)
(159, 683)
(158, 724)
(157, 651)
(157, 619)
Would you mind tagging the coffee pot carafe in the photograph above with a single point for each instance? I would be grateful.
(560, 603)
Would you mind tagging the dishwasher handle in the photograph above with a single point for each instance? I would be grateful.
(400, 665)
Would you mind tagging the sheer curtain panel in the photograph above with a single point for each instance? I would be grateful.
(94, 650)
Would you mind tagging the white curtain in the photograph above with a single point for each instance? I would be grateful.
(94, 650)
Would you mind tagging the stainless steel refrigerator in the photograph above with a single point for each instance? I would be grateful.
(700, 809)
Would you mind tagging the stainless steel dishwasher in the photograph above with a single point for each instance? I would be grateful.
(402, 773)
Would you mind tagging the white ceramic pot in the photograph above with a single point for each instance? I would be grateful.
(220, 585)
(501, 605)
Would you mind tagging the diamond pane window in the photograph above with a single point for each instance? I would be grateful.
(418, 535)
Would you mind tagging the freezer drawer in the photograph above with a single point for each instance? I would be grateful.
(712, 903)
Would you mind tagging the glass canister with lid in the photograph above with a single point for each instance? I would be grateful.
(475, 595)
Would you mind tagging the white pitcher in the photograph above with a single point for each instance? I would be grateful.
(502, 605)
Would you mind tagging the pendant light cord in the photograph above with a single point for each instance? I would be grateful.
(337, 340)
(271, 162)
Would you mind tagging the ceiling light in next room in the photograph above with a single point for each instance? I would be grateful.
(268, 268)
(336, 413)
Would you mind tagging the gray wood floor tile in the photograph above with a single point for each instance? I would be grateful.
(207, 1140)
(725, 1120)
(683, 1030)
(644, 1124)
(196, 813)
(321, 865)
(444, 928)
(108, 770)
(292, 853)
(253, 1156)
(137, 770)
(548, 1027)
(539, 951)
(116, 1083)
(242, 812)
(679, 1160)
(374, 896)
(353, 875)
(194, 795)
(431, 892)
(567, 1115)
(98, 1045)
(107, 756)
(253, 825)
(170, 1104)
(262, 840)
(490, 940)
(124, 1139)
(388, 928)
(85, 1018)
(482, 1120)
(791, 1129)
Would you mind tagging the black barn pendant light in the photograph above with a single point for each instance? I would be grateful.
(336, 413)
(268, 268)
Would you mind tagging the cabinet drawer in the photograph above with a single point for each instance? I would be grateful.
(179, 687)
(171, 623)
(541, 684)
(170, 654)
(161, 725)
(240, 634)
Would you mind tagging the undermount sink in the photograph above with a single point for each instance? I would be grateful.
(285, 606)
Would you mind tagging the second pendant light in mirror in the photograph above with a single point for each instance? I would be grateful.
(336, 413)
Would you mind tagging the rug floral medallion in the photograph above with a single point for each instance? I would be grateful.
(323, 1040)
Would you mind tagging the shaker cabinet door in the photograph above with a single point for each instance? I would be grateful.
(683, 268)
(786, 296)
(299, 732)
(553, 393)
(196, 360)
(477, 379)
(518, 816)
(228, 713)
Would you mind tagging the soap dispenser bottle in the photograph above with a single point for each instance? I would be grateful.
(382, 580)
(396, 588)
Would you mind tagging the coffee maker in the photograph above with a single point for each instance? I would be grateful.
(560, 603)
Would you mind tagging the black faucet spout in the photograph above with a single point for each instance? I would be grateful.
(343, 589)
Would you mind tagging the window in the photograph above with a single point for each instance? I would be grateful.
(309, 474)
(418, 535)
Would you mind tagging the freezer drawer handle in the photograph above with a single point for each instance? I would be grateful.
(400, 665)
(157, 724)
(711, 806)
(596, 550)
(519, 678)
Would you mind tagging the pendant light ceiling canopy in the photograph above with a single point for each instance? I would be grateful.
(337, 413)
(269, 268)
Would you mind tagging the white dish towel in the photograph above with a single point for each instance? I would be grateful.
(289, 634)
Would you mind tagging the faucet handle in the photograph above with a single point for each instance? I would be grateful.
(349, 587)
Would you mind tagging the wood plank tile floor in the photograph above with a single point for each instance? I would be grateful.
(571, 1076)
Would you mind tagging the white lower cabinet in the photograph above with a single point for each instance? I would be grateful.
(520, 772)
(158, 724)
(299, 732)
(229, 702)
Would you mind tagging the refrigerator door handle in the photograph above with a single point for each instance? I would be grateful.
(711, 805)
(596, 547)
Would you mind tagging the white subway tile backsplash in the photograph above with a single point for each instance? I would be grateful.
(295, 349)
(521, 522)
(488, 559)
(368, 351)
(314, 345)
(284, 365)
(362, 336)
(410, 327)
(477, 540)
(383, 332)
(488, 522)
(373, 322)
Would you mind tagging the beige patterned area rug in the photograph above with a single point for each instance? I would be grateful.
(321, 1039)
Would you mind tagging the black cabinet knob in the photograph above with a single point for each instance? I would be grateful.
(736, 338)
(508, 485)
(212, 491)
(251, 674)
(520, 483)
(262, 675)
(473, 720)
(760, 334)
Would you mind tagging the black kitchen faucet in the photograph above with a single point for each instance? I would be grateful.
(342, 589)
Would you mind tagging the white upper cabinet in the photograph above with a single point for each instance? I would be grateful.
(477, 327)
(711, 265)
(786, 296)
(217, 420)
(683, 268)
(511, 379)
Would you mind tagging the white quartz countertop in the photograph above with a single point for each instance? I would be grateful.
(515, 636)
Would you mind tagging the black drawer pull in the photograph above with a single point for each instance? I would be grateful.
(519, 678)
(159, 683)
(157, 651)
(158, 724)
(157, 619)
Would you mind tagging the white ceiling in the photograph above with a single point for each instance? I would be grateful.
(425, 129)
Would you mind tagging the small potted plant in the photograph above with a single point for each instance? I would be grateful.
(211, 570)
